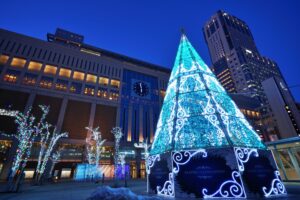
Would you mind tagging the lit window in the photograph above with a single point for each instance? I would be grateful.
(102, 92)
(46, 82)
(18, 62)
(34, 66)
(89, 90)
(78, 76)
(162, 93)
(65, 72)
(115, 83)
(61, 85)
(114, 95)
(91, 78)
(49, 69)
(3, 59)
(103, 81)
(75, 88)
(29, 79)
(12, 78)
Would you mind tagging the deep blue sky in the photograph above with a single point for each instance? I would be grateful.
(149, 30)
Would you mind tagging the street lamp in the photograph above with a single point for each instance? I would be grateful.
(144, 145)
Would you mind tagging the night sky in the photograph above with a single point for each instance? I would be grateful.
(150, 30)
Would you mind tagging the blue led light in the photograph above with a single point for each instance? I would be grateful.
(197, 112)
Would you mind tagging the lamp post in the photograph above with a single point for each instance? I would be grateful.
(144, 145)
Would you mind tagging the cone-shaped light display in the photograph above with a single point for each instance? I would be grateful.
(197, 112)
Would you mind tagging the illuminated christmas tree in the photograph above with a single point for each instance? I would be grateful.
(200, 127)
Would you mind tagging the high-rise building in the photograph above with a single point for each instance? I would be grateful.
(236, 60)
(235, 57)
(283, 106)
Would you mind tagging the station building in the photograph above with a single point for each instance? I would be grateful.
(84, 86)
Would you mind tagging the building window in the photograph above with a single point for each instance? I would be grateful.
(34, 66)
(3, 59)
(162, 93)
(89, 90)
(115, 83)
(102, 92)
(78, 76)
(65, 72)
(103, 81)
(29, 79)
(46, 82)
(114, 95)
(61, 85)
(75, 88)
(49, 69)
(91, 78)
(11, 76)
(18, 62)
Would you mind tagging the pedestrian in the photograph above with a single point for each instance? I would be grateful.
(103, 177)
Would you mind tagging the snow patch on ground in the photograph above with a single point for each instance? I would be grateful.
(108, 193)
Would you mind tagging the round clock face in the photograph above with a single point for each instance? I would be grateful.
(141, 88)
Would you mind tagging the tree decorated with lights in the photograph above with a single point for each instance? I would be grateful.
(117, 132)
(27, 131)
(94, 146)
(55, 157)
(25, 136)
(47, 147)
(199, 121)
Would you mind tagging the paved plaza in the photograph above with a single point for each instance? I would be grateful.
(70, 190)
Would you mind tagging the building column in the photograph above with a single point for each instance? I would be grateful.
(138, 162)
(129, 131)
(61, 114)
(151, 125)
(30, 101)
(118, 117)
(141, 117)
(92, 116)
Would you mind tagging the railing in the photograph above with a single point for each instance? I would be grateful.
(287, 156)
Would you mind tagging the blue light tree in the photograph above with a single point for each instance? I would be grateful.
(202, 137)
(197, 112)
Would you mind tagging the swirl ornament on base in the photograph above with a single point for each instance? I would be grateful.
(277, 187)
(243, 155)
(168, 188)
(233, 189)
(150, 162)
(183, 157)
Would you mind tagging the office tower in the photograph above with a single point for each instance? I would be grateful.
(283, 107)
(235, 57)
(237, 62)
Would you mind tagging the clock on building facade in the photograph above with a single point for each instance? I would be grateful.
(141, 88)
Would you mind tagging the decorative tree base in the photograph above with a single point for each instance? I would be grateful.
(214, 173)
